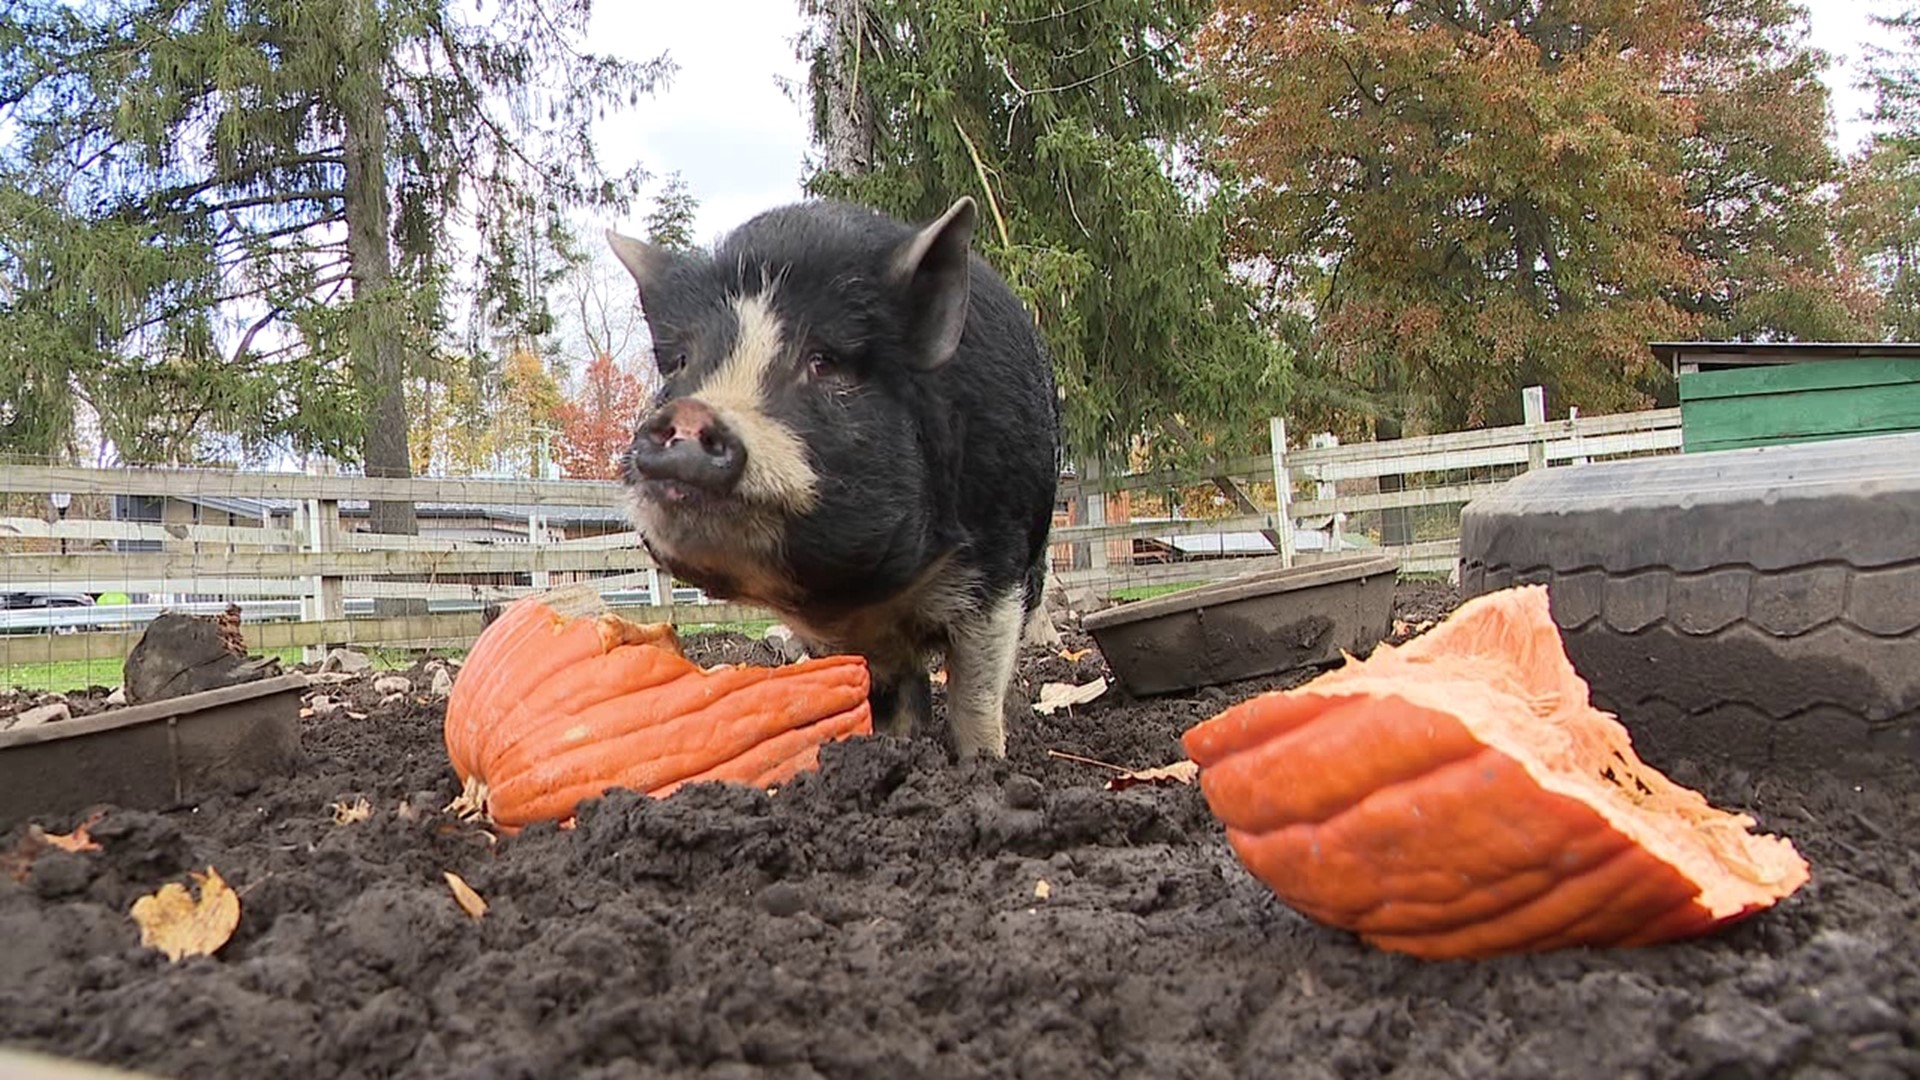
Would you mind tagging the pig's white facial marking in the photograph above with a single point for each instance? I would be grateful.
(777, 473)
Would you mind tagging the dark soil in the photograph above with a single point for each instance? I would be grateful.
(880, 918)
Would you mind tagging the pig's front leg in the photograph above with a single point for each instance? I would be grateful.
(902, 701)
(983, 649)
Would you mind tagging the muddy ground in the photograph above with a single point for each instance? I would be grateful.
(880, 919)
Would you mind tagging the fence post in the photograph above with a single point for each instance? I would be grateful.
(1282, 488)
(1323, 491)
(1095, 501)
(1533, 405)
(327, 599)
(1573, 426)
(536, 516)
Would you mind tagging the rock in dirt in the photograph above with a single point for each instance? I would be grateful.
(118, 697)
(181, 654)
(785, 645)
(346, 662)
(34, 717)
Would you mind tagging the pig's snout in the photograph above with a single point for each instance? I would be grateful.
(683, 442)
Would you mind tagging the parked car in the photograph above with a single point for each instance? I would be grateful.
(39, 601)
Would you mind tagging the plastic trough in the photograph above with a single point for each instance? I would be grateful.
(156, 755)
(1246, 627)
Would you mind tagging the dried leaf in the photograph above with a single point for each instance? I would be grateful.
(172, 921)
(1074, 656)
(463, 893)
(1180, 772)
(345, 814)
(1054, 695)
(77, 840)
(1041, 889)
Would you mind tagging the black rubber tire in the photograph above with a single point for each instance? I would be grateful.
(1756, 605)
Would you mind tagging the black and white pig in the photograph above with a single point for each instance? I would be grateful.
(858, 429)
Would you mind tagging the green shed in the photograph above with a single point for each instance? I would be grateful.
(1736, 393)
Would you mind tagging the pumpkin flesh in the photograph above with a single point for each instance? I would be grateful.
(561, 701)
(1458, 796)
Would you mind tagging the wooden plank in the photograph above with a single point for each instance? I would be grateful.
(1385, 500)
(85, 529)
(1484, 438)
(446, 630)
(1763, 419)
(1796, 376)
(1485, 457)
(233, 483)
(1147, 529)
(604, 542)
(210, 584)
(185, 565)
(1255, 466)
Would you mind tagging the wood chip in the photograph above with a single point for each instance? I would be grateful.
(464, 895)
(1055, 696)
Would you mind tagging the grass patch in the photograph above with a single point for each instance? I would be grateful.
(67, 676)
(753, 628)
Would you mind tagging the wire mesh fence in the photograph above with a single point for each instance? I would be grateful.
(90, 556)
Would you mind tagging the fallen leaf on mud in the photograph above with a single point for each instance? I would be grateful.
(347, 814)
(1180, 772)
(463, 893)
(1074, 656)
(1054, 695)
(1041, 889)
(172, 921)
(77, 840)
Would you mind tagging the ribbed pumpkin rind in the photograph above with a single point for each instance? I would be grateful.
(539, 674)
(1386, 815)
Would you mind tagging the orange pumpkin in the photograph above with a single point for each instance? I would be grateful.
(560, 700)
(1458, 796)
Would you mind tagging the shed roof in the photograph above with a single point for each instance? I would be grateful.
(1709, 354)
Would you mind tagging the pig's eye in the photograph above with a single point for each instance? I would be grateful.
(820, 365)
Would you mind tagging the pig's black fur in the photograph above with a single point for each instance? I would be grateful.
(961, 461)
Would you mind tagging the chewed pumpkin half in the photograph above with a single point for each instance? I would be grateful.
(1458, 796)
(560, 701)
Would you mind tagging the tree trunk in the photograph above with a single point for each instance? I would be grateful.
(375, 338)
(848, 140)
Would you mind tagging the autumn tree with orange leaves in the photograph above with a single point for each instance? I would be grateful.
(597, 422)
(1451, 201)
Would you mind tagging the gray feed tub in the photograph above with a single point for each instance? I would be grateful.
(1257, 624)
(153, 756)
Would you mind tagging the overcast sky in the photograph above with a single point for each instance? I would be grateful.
(727, 126)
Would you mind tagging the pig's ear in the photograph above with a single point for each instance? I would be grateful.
(646, 262)
(931, 271)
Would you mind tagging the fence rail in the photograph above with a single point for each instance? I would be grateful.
(280, 544)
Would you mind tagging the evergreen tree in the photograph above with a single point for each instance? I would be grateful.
(247, 211)
(670, 224)
(1076, 128)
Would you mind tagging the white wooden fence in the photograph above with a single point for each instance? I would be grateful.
(306, 580)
